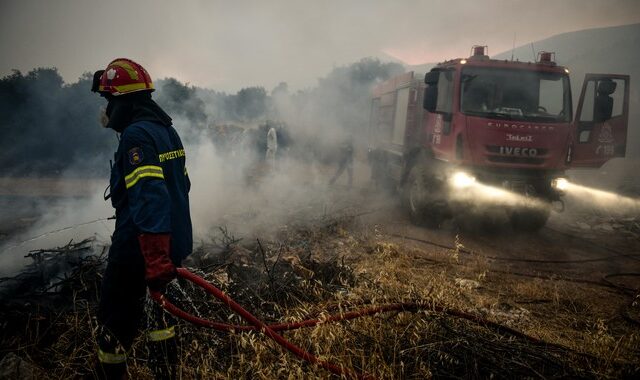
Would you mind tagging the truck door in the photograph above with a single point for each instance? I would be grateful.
(602, 116)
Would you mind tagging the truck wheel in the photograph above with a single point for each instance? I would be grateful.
(422, 196)
(529, 220)
(479, 220)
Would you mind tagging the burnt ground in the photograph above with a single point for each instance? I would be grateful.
(571, 289)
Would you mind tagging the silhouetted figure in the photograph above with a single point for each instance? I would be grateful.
(272, 147)
(345, 161)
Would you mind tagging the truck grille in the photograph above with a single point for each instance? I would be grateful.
(512, 155)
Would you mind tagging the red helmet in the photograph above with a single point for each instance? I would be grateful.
(123, 76)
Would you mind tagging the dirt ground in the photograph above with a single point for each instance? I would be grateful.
(571, 289)
(562, 284)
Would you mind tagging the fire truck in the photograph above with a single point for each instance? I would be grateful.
(479, 127)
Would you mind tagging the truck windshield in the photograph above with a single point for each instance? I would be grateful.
(515, 94)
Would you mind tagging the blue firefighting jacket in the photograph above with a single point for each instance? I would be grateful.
(150, 186)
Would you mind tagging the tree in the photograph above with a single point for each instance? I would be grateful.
(178, 99)
(48, 126)
(251, 103)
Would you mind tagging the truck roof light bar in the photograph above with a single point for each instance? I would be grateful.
(547, 58)
(479, 52)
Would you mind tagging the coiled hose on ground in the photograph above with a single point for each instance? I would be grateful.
(271, 330)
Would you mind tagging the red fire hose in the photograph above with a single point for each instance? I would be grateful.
(257, 324)
(270, 330)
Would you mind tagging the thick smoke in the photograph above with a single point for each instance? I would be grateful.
(47, 126)
(55, 134)
(234, 185)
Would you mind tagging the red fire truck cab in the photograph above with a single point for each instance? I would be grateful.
(505, 126)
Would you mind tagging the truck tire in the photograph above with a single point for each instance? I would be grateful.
(478, 221)
(529, 220)
(424, 198)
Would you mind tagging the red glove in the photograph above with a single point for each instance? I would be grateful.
(159, 270)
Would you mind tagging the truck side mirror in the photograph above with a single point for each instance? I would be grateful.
(431, 78)
(430, 99)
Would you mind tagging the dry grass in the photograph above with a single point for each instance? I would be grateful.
(348, 270)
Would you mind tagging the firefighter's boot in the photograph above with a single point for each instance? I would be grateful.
(112, 360)
(163, 353)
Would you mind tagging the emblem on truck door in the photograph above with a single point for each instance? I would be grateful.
(606, 134)
(606, 140)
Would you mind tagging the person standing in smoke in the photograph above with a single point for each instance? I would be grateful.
(149, 191)
(272, 147)
(345, 156)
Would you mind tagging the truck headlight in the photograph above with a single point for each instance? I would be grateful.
(560, 184)
(462, 180)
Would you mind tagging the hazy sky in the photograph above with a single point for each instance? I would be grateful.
(227, 45)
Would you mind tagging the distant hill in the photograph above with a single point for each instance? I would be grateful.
(602, 50)
(613, 50)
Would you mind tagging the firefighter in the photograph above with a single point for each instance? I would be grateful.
(345, 157)
(149, 191)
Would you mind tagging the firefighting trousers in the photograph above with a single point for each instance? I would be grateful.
(345, 163)
(124, 309)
